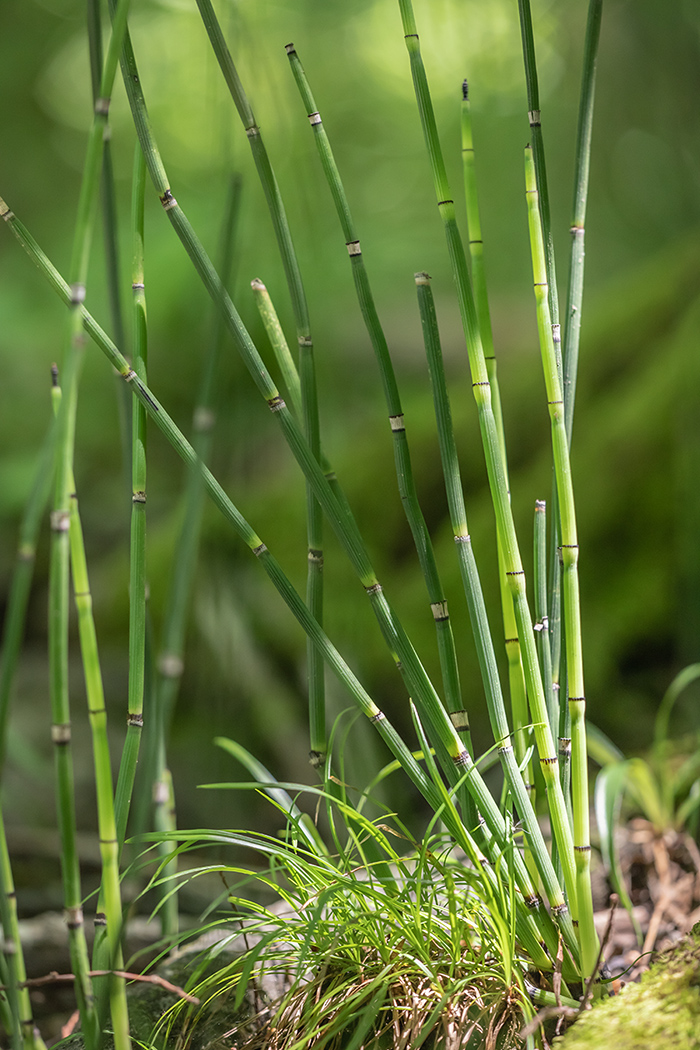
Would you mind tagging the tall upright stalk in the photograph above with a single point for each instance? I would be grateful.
(583, 160)
(569, 558)
(535, 121)
(505, 525)
(64, 546)
(137, 559)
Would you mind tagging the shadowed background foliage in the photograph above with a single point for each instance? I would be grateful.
(636, 450)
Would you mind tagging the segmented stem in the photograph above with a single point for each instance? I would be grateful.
(569, 558)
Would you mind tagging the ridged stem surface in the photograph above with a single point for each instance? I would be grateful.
(66, 547)
(516, 678)
(570, 580)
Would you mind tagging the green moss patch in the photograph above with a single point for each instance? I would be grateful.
(662, 1011)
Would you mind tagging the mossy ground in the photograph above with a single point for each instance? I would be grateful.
(662, 1011)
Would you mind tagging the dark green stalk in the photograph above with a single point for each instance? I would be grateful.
(575, 300)
(109, 209)
(60, 709)
(63, 548)
(583, 160)
(404, 472)
(15, 615)
(494, 464)
(478, 615)
(307, 369)
(571, 602)
(458, 761)
(535, 121)
(137, 560)
(109, 911)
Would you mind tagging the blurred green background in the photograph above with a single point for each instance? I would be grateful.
(636, 453)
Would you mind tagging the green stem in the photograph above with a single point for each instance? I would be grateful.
(279, 345)
(569, 555)
(535, 121)
(516, 678)
(109, 910)
(65, 545)
(541, 618)
(137, 560)
(583, 160)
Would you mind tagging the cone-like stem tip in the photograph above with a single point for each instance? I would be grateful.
(257, 285)
(54, 374)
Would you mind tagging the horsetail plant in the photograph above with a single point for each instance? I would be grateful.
(66, 548)
(137, 559)
(534, 925)
(454, 757)
(569, 560)
(108, 918)
(556, 936)
(478, 616)
(516, 679)
(16, 1011)
(505, 525)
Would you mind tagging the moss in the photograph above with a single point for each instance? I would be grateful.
(662, 1011)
